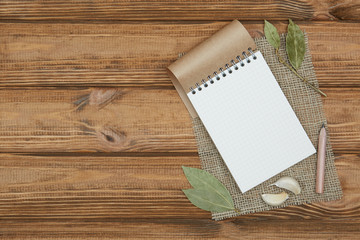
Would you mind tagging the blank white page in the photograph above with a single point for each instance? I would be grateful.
(251, 123)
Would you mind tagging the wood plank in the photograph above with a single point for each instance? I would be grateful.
(343, 120)
(85, 120)
(137, 54)
(107, 10)
(70, 189)
(180, 229)
(99, 188)
(130, 120)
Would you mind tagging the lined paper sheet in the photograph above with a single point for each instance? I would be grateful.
(251, 123)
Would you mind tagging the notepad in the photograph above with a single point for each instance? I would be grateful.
(248, 117)
(251, 123)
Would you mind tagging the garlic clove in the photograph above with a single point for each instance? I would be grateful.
(288, 183)
(275, 199)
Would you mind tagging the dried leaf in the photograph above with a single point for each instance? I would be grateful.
(208, 200)
(272, 35)
(295, 45)
(201, 179)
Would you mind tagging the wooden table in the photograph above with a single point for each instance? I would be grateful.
(93, 134)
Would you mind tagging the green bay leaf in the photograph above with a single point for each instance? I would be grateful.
(207, 200)
(295, 45)
(271, 34)
(201, 179)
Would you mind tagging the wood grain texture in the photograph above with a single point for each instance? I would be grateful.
(107, 10)
(90, 187)
(119, 55)
(64, 120)
(136, 120)
(139, 197)
(179, 229)
(93, 135)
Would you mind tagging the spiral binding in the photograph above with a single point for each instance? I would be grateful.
(224, 72)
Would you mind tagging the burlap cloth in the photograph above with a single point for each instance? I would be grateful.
(308, 108)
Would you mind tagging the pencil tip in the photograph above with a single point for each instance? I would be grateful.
(323, 125)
